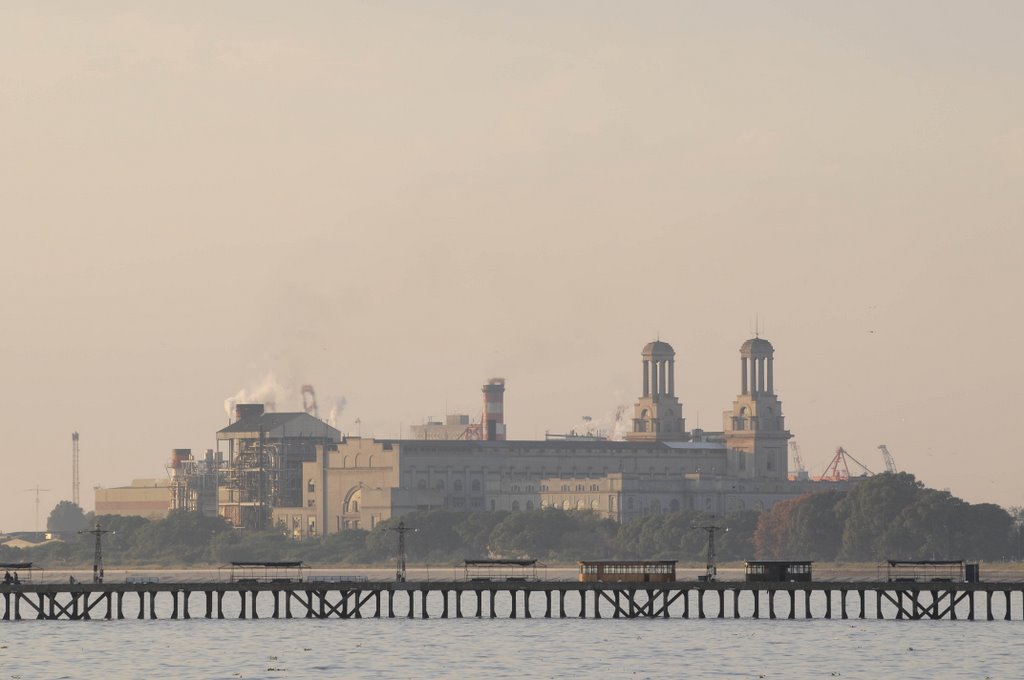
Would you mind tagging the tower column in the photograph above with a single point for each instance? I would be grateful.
(760, 375)
(771, 386)
(661, 376)
(671, 377)
(743, 375)
(654, 386)
(647, 378)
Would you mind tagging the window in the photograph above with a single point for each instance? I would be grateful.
(439, 485)
(311, 503)
(515, 488)
(543, 487)
(579, 487)
(457, 485)
(422, 484)
(565, 487)
(515, 506)
(529, 505)
(565, 505)
(594, 487)
(310, 486)
(475, 485)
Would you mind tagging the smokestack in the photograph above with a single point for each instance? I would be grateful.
(248, 411)
(494, 410)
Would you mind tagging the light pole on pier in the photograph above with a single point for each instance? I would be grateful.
(401, 530)
(97, 561)
(712, 569)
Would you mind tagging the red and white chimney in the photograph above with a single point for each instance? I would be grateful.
(494, 410)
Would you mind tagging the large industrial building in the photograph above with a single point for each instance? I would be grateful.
(292, 470)
(660, 467)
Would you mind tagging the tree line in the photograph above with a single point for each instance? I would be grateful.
(885, 516)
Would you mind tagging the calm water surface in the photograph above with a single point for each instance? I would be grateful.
(504, 648)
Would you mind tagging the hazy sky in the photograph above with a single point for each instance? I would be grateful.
(397, 201)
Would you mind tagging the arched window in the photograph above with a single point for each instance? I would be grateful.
(475, 485)
(515, 506)
(593, 505)
(357, 461)
(457, 485)
(369, 462)
(345, 462)
(565, 505)
(310, 485)
(579, 504)
(529, 505)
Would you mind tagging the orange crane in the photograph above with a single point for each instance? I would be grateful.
(839, 469)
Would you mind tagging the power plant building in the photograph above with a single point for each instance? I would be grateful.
(357, 482)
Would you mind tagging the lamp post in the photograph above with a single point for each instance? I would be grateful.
(97, 561)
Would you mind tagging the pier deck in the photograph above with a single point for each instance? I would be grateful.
(538, 599)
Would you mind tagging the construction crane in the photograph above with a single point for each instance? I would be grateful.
(37, 490)
(890, 464)
(798, 462)
(74, 470)
(309, 401)
(838, 469)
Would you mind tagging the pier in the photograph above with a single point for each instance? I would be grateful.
(346, 599)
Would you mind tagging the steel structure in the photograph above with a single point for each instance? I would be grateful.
(712, 568)
(74, 469)
(401, 530)
(37, 491)
(800, 471)
(839, 469)
(890, 464)
(97, 561)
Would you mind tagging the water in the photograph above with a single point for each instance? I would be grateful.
(506, 648)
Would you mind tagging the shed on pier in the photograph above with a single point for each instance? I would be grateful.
(641, 571)
(914, 571)
(778, 570)
(501, 570)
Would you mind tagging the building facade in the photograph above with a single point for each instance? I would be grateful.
(660, 467)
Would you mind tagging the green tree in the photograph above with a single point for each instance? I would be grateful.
(815, 529)
(773, 537)
(65, 518)
(869, 508)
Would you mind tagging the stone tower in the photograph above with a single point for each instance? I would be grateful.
(658, 415)
(755, 430)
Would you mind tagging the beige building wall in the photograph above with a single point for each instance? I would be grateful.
(149, 498)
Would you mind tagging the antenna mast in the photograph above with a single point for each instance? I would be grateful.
(74, 470)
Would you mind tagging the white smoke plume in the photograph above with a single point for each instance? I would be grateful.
(612, 425)
(334, 417)
(269, 392)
